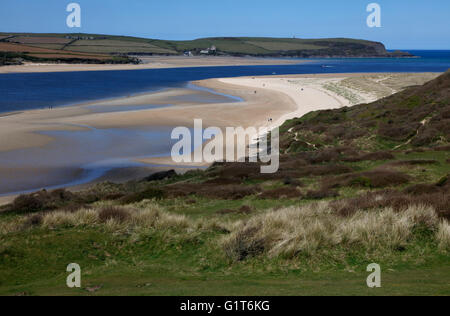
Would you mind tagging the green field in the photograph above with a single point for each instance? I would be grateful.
(237, 46)
(162, 265)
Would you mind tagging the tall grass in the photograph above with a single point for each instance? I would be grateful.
(311, 229)
(443, 236)
(118, 218)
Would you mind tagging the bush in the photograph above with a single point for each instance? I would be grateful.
(113, 213)
(292, 182)
(148, 194)
(369, 179)
(223, 192)
(49, 201)
(419, 189)
(281, 193)
(323, 193)
(381, 155)
(416, 162)
(27, 204)
(34, 220)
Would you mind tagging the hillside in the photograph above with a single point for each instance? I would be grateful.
(229, 46)
(416, 117)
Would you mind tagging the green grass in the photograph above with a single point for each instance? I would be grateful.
(158, 265)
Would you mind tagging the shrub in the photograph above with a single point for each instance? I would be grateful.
(443, 181)
(48, 201)
(34, 220)
(281, 193)
(245, 209)
(223, 192)
(115, 213)
(416, 162)
(163, 175)
(148, 194)
(381, 155)
(419, 189)
(369, 179)
(27, 204)
(323, 193)
(293, 182)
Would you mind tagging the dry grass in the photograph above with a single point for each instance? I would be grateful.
(443, 235)
(314, 228)
(392, 199)
(135, 218)
(116, 218)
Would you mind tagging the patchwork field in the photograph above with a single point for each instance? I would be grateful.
(40, 40)
(50, 53)
(236, 46)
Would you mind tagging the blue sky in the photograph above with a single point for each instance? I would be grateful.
(407, 24)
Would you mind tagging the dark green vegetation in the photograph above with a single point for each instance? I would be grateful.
(231, 46)
(17, 58)
(342, 199)
(14, 50)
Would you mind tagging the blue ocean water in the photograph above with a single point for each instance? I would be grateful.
(41, 90)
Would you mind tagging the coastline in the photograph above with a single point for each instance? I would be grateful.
(276, 97)
(153, 62)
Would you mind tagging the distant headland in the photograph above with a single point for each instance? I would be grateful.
(107, 49)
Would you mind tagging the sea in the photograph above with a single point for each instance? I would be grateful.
(42, 90)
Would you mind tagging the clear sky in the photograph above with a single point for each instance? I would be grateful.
(406, 24)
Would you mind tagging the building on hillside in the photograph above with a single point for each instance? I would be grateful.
(209, 51)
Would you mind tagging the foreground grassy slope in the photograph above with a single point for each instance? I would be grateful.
(236, 46)
(338, 203)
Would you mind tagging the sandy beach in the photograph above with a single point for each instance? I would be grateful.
(152, 62)
(276, 97)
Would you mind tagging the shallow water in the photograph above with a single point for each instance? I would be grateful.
(124, 108)
(77, 157)
(41, 90)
